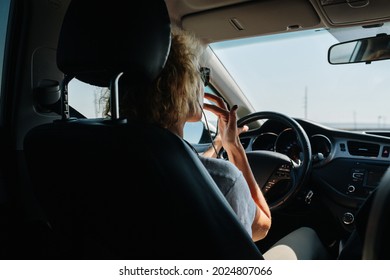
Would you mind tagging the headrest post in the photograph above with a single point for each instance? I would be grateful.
(64, 97)
(114, 89)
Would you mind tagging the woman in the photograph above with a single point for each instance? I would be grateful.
(175, 98)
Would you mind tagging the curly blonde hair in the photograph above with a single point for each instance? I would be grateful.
(173, 96)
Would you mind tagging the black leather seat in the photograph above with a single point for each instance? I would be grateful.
(376, 245)
(113, 189)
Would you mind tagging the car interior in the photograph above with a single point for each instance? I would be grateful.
(79, 187)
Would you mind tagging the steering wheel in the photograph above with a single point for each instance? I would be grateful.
(279, 177)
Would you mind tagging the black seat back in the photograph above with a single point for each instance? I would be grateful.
(113, 189)
(376, 241)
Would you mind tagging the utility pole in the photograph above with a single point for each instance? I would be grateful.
(305, 104)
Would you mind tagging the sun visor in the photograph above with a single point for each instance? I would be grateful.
(347, 12)
(252, 18)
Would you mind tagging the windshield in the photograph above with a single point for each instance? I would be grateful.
(290, 73)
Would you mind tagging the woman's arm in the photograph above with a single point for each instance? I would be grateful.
(228, 130)
(214, 148)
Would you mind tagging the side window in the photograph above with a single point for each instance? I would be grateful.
(204, 131)
(86, 99)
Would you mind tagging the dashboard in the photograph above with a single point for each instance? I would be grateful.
(346, 165)
(286, 143)
(327, 144)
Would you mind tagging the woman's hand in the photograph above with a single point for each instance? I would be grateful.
(228, 131)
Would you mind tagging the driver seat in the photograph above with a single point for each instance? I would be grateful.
(113, 189)
(376, 245)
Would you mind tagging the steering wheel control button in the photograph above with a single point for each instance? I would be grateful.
(308, 197)
(348, 218)
(283, 171)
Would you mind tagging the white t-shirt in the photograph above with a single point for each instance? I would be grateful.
(234, 187)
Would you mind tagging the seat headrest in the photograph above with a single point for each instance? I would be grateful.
(99, 39)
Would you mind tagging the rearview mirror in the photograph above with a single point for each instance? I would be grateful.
(361, 50)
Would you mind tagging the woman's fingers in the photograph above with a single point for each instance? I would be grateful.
(216, 99)
(233, 118)
(226, 116)
(242, 129)
(221, 113)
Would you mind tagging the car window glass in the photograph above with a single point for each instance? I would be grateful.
(86, 99)
(4, 10)
(203, 131)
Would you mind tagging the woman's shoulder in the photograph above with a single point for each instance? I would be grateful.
(221, 168)
(230, 181)
(217, 162)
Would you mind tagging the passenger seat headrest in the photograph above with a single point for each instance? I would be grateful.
(99, 39)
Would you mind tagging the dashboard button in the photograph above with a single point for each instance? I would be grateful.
(348, 218)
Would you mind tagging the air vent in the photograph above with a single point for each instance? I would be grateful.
(363, 149)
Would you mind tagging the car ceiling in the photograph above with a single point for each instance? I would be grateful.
(218, 20)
